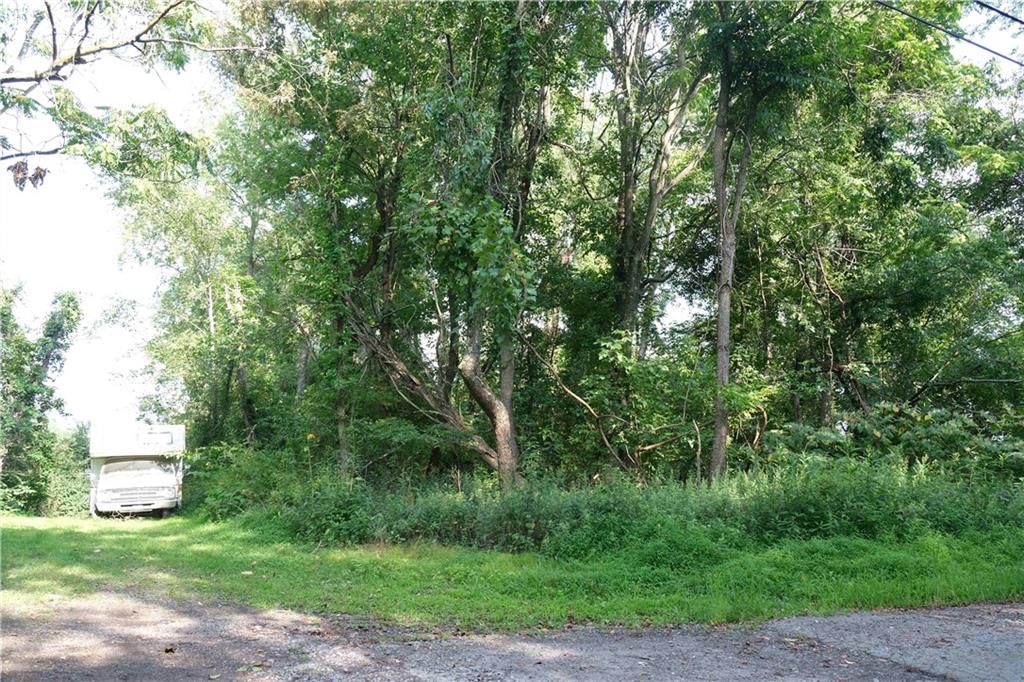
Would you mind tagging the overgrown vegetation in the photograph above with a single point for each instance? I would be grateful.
(561, 240)
(689, 299)
(807, 496)
(427, 584)
(41, 471)
(904, 475)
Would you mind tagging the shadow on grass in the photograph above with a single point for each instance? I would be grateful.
(475, 589)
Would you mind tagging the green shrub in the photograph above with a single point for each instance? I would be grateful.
(67, 491)
(980, 447)
(600, 520)
(52, 479)
(228, 480)
(665, 526)
(332, 511)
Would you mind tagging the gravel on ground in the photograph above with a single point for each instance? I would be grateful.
(133, 636)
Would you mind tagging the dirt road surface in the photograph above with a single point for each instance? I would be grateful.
(111, 637)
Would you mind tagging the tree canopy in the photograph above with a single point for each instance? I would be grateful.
(641, 237)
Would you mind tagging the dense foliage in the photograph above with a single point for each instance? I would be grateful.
(675, 301)
(40, 471)
(651, 238)
(810, 497)
(47, 48)
(633, 241)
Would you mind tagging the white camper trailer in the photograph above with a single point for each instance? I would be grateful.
(136, 469)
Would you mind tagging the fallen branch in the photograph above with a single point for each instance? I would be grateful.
(597, 418)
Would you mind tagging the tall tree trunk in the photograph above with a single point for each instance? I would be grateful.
(302, 369)
(630, 25)
(727, 252)
(723, 344)
(448, 340)
(726, 260)
(825, 400)
(628, 35)
(233, 303)
(826, 396)
(340, 402)
(497, 407)
(728, 215)
(245, 403)
(798, 412)
(222, 407)
(509, 185)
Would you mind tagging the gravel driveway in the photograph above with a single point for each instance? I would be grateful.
(110, 636)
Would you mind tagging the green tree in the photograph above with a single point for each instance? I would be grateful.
(44, 47)
(26, 396)
(441, 231)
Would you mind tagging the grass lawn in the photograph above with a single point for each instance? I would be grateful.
(474, 589)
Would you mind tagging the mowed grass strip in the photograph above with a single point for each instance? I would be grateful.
(431, 585)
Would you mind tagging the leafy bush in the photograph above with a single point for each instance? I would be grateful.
(664, 526)
(226, 480)
(983, 446)
(52, 478)
(67, 491)
(332, 511)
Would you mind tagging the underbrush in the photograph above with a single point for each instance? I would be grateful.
(51, 479)
(685, 577)
(669, 525)
(984, 446)
(819, 525)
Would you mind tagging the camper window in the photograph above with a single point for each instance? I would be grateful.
(138, 465)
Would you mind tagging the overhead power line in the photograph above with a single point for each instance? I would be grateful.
(949, 32)
(995, 9)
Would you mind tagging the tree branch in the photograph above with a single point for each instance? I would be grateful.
(44, 152)
(53, 73)
(53, 33)
(597, 418)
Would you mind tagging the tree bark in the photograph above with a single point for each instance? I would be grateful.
(509, 185)
(628, 36)
(630, 26)
(302, 370)
(728, 215)
(726, 256)
(497, 407)
(723, 345)
(340, 403)
(233, 304)
(245, 403)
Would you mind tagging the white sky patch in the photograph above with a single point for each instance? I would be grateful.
(996, 37)
(67, 236)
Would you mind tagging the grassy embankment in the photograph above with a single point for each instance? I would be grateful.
(430, 584)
